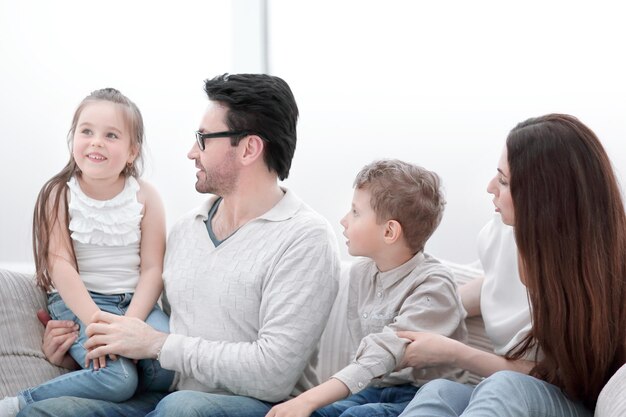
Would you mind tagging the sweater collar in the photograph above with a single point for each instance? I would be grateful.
(285, 209)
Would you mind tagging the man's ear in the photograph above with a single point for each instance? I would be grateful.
(252, 147)
(393, 231)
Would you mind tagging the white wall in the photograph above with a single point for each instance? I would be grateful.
(55, 53)
(441, 84)
(438, 84)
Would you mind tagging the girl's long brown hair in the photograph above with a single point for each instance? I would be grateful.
(51, 206)
(570, 230)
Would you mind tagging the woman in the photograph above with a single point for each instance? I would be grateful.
(555, 185)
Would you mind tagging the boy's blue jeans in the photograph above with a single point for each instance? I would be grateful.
(119, 380)
(371, 402)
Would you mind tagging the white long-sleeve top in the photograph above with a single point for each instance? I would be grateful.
(503, 299)
(246, 316)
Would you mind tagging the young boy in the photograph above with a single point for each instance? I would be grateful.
(395, 209)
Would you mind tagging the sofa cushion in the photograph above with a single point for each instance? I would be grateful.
(22, 363)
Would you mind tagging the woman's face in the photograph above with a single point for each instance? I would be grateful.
(499, 187)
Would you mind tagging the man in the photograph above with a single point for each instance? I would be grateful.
(250, 275)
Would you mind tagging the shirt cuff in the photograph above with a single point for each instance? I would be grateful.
(356, 377)
(171, 352)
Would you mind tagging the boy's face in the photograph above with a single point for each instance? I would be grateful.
(365, 236)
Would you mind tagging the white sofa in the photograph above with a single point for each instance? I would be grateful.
(23, 364)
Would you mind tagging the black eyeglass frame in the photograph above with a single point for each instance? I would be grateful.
(201, 137)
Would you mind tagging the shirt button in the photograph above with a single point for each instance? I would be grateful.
(379, 294)
(364, 315)
(360, 384)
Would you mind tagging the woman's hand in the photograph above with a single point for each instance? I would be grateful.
(427, 349)
(57, 339)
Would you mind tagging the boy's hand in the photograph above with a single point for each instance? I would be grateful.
(292, 408)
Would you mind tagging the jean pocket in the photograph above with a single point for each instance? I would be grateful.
(59, 310)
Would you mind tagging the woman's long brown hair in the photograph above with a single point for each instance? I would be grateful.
(51, 206)
(570, 230)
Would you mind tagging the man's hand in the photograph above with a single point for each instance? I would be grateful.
(427, 349)
(57, 339)
(292, 408)
(121, 335)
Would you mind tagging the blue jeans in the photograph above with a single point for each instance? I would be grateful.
(371, 402)
(179, 404)
(116, 382)
(504, 394)
(138, 406)
(202, 404)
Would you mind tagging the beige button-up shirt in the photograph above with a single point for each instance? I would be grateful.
(419, 295)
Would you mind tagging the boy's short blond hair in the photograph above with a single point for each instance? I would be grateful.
(406, 193)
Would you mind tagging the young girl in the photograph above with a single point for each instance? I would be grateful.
(99, 240)
(556, 186)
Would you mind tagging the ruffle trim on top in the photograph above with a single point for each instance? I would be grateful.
(114, 222)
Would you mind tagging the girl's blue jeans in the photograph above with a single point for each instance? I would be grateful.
(116, 382)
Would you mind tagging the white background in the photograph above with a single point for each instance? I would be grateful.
(439, 84)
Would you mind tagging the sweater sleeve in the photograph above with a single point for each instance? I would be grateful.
(433, 307)
(297, 296)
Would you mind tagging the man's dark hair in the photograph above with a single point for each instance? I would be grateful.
(260, 104)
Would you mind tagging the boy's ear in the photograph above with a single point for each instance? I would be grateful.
(393, 231)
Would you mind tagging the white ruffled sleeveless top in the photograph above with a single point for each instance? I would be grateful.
(106, 235)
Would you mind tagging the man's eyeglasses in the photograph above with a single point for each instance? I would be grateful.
(200, 137)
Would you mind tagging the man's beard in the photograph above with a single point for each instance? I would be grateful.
(220, 180)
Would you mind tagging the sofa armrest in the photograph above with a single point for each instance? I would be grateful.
(22, 363)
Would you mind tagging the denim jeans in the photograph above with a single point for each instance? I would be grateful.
(504, 394)
(138, 406)
(371, 402)
(202, 404)
(116, 382)
(179, 404)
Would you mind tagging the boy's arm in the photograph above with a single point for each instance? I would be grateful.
(150, 283)
(432, 307)
(306, 403)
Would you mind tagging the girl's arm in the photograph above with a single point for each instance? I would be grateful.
(470, 296)
(151, 253)
(428, 349)
(63, 272)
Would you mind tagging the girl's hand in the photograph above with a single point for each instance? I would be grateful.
(292, 408)
(100, 362)
(427, 349)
